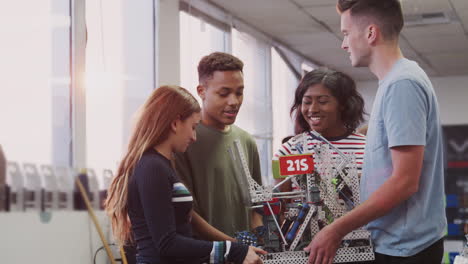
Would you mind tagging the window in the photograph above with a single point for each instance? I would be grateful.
(284, 84)
(255, 115)
(197, 39)
(35, 91)
(120, 74)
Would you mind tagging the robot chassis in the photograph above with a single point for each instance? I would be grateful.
(326, 194)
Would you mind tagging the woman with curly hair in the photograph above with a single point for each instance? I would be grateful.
(327, 101)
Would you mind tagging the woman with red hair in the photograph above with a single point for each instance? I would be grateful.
(147, 202)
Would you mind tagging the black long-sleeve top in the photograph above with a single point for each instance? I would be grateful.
(159, 207)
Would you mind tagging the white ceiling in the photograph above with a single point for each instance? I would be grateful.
(312, 28)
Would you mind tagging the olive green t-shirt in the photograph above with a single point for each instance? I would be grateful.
(210, 174)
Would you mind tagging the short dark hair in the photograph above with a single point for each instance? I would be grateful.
(217, 61)
(387, 14)
(342, 87)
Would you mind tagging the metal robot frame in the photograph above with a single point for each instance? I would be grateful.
(326, 194)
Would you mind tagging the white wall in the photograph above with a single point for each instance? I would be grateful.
(169, 43)
(67, 237)
(452, 93)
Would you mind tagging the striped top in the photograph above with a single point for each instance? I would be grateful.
(354, 143)
(180, 193)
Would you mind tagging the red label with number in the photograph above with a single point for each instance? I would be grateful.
(296, 164)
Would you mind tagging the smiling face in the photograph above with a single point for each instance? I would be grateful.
(184, 132)
(321, 111)
(354, 40)
(222, 97)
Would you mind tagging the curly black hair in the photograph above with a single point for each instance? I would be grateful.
(342, 87)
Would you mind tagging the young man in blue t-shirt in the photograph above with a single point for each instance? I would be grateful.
(402, 188)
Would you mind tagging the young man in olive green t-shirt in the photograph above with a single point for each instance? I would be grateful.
(206, 167)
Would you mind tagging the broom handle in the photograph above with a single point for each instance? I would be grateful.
(93, 217)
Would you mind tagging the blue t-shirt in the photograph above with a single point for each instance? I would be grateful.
(406, 112)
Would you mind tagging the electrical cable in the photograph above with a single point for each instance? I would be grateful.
(84, 195)
(123, 260)
(95, 253)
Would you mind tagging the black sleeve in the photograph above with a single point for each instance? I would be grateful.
(184, 171)
(155, 191)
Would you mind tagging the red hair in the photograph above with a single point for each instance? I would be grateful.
(165, 105)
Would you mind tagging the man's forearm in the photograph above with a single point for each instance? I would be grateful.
(382, 201)
(256, 220)
(404, 182)
(207, 231)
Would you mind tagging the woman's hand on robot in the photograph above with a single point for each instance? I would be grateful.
(252, 256)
